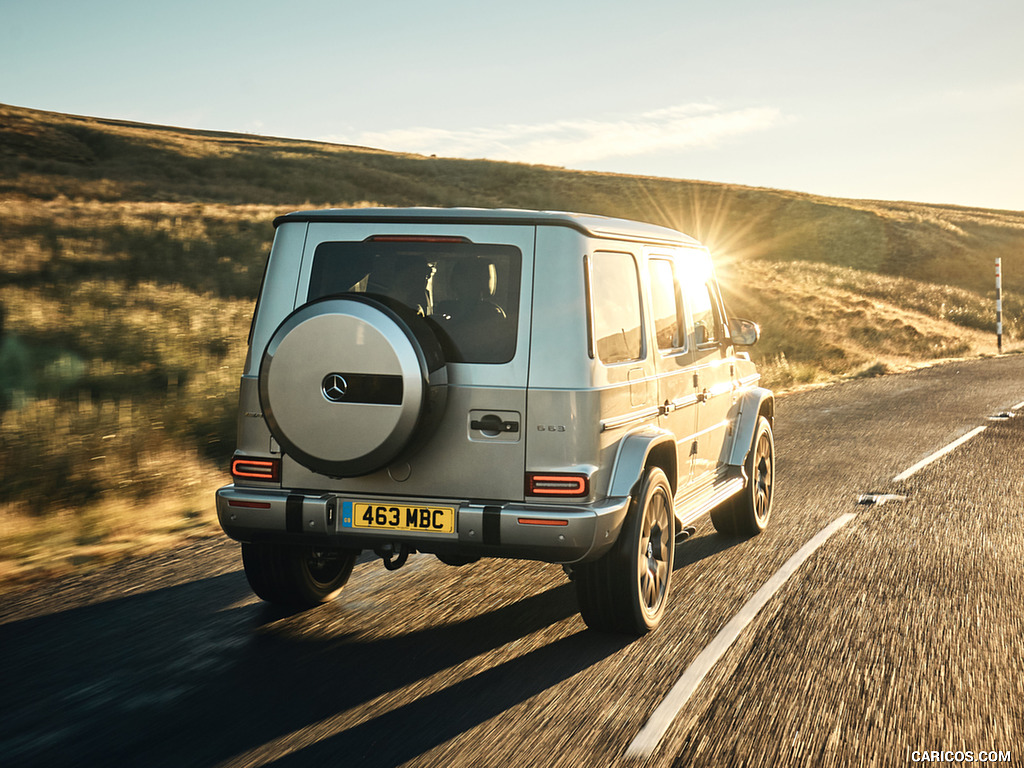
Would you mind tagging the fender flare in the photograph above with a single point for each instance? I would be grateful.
(635, 452)
(752, 404)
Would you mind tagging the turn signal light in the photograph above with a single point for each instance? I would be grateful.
(257, 469)
(562, 484)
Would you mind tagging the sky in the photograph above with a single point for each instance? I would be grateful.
(919, 100)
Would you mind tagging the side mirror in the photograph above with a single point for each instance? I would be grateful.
(744, 333)
(700, 333)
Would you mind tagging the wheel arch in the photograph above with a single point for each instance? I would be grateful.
(754, 404)
(650, 446)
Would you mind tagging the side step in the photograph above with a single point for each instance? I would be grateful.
(696, 504)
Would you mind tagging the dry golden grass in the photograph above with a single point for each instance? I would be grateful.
(820, 322)
(65, 540)
(130, 257)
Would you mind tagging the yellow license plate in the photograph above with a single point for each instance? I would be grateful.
(398, 517)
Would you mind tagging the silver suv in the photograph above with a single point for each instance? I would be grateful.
(493, 383)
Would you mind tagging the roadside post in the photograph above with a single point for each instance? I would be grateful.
(999, 305)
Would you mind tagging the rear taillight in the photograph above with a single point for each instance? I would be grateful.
(257, 469)
(563, 484)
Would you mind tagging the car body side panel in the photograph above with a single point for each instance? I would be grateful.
(280, 282)
(564, 435)
(253, 434)
(580, 408)
(558, 350)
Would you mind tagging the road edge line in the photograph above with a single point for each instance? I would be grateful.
(650, 736)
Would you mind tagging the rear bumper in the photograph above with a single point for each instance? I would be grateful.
(556, 533)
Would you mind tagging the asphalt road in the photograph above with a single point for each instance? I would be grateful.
(902, 633)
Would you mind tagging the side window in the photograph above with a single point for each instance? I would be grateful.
(706, 323)
(666, 305)
(615, 303)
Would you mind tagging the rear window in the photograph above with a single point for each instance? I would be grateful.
(615, 299)
(666, 305)
(467, 293)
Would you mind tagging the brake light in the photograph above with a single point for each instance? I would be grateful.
(560, 484)
(417, 239)
(257, 469)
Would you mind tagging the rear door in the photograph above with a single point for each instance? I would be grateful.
(674, 360)
(473, 289)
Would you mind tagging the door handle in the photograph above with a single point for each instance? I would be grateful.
(494, 424)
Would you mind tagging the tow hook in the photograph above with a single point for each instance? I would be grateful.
(393, 556)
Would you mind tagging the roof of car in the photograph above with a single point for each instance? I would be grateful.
(588, 224)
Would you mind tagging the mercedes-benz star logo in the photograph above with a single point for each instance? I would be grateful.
(334, 387)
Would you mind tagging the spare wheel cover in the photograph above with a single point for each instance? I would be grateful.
(344, 385)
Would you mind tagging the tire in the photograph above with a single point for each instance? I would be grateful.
(300, 577)
(626, 591)
(349, 383)
(748, 513)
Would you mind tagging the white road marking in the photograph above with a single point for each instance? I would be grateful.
(657, 726)
(654, 730)
(937, 455)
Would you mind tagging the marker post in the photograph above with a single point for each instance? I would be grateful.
(999, 305)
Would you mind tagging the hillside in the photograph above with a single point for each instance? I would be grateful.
(130, 256)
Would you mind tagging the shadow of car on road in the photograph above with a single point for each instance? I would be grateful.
(199, 674)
